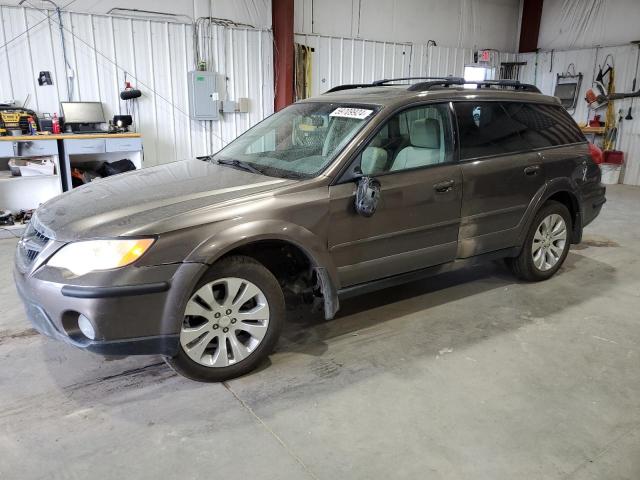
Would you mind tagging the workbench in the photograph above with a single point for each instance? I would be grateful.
(67, 151)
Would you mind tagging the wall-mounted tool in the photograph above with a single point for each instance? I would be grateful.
(596, 96)
(568, 87)
(45, 78)
(130, 94)
(635, 77)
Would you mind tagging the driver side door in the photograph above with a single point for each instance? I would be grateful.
(417, 218)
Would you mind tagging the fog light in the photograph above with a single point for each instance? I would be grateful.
(86, 328)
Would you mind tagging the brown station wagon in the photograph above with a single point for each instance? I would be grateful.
(361, 188)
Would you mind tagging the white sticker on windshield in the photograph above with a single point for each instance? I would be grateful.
(359, 113)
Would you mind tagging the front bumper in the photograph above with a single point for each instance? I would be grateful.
(140, 317)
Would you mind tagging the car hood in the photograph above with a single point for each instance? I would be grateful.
(132, 203)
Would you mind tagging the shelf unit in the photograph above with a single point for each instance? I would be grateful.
(67, 151)
(25, 193)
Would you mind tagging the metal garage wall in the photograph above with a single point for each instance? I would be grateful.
(433, 61)
(156, 57)
(337, 60)
(542, 69)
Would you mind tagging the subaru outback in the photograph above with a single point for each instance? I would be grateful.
(361, 188)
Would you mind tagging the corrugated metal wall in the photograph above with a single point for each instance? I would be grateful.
(542, 69)
(433, 61)
(337, 60)
(156, 56)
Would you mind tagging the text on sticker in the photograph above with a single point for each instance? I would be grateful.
(359, 113)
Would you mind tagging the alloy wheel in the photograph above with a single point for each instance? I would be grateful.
(225, 321)
(549, 242)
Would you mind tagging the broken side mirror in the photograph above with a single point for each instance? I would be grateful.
(367, 195)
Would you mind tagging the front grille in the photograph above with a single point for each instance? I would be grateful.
(33, 241)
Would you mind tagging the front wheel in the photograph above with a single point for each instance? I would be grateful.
(546, 245)
(231, 323)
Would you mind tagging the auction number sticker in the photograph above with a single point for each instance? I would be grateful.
(345, 112)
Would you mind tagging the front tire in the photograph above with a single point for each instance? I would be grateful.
(231, 322)
(546, 245)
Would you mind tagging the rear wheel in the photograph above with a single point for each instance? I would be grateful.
(546, 245)
(231, 323)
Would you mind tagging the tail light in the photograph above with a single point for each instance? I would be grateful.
(596, 154)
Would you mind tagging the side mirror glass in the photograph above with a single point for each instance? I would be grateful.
(367, 195)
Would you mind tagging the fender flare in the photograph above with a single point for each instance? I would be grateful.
(227, 238)
(557, 185)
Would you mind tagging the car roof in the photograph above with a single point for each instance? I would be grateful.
(394, 95)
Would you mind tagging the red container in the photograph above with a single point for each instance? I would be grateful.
(616, 157)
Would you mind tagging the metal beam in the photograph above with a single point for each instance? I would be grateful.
(283, 52)
(530, 25)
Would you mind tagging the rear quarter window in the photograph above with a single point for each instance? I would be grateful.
(542, 126)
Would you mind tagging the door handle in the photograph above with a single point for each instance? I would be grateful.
(444, 187)
(532, 170)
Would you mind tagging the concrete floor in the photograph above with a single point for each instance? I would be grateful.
(467, 375)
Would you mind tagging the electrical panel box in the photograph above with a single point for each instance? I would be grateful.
(229, 106)
(243, 105)
(204, 101)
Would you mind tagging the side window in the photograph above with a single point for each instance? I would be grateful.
(486, 129)
(414, 138)
(544, 125)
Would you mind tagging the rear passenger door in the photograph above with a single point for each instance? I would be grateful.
(501, 174)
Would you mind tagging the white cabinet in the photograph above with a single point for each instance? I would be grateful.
(67, 152)
(79, 151)
(124, 145)
(82, 146)
(25, 193)
(37, 148)
(6, 149)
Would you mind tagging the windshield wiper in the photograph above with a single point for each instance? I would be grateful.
(239, 164)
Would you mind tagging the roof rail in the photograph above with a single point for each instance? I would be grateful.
(384, 82)
(401, 79)
(348, 86)
(515, 84)
(440, 82)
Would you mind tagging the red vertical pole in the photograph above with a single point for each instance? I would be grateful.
(530, 25)
(283, 51)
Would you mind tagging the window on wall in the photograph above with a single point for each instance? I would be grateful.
(414, 138)
(486, 129)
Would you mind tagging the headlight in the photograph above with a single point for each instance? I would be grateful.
(88, 256)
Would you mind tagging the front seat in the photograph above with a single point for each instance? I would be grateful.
(424, 136)
(374, 160)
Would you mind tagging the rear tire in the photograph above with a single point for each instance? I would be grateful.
(546, 245)
(232, 321)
